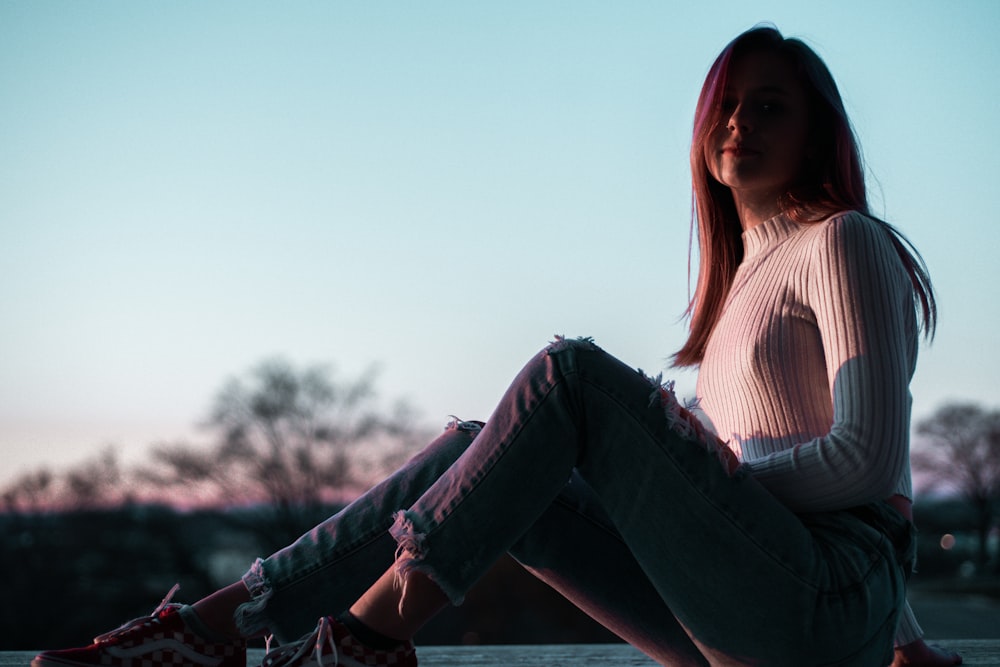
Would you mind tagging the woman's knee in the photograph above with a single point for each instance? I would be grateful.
(458, 434)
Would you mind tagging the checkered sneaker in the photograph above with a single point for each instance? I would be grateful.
(162, 638)
(332, 645)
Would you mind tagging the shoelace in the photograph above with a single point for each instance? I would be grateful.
(142, 621)
(287, 656)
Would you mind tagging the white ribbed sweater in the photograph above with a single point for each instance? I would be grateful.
(807, 372)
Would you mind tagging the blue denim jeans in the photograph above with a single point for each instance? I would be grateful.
(594, 478)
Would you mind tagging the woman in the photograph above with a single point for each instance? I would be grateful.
(805, 325)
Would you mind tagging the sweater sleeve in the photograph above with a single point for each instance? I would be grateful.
(908, 630)
(862, 301)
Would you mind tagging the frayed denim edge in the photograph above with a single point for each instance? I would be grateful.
(457, 424)
(560, 343)
(411, 551)
(251, 617)
(682, 421)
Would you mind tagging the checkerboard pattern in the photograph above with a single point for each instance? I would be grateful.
(355, 654)
(334, 646)
(153, 641)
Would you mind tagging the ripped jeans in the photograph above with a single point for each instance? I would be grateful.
(598, 482)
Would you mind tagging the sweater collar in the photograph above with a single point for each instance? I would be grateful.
(767, 234)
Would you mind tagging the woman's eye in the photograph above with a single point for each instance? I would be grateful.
(772, 107)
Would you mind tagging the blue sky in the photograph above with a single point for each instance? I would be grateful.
(188, 188)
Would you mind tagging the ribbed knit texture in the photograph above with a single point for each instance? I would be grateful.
(807, 372)
(908, 629)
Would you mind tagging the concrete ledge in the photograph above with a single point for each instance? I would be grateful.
(974, 652)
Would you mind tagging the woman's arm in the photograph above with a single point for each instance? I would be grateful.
(862, 301)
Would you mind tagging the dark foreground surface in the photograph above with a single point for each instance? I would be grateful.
(974, 652)
(971, 622)
(965, 617)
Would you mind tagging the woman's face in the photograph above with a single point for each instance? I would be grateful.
(759, 144)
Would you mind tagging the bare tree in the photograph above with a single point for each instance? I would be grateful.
(961, 449)
(286, 441)
(94, 483)
(97, 482)
(29, 492)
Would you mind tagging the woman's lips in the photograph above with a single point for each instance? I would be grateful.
(740, 151)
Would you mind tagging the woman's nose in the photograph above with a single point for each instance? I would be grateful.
(740, 120)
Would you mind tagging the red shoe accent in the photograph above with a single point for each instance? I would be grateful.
(162, 638)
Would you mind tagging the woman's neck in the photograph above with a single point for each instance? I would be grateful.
(754, 209)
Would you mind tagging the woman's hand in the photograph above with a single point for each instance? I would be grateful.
(903, 505)
(921, 654)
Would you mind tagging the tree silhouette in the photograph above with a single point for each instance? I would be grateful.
(29, 492)
(961, 449)
(94, 483)
(283, 442)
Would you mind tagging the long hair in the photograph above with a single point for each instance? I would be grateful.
(832, 180)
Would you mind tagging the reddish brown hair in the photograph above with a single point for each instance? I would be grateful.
(831, 181)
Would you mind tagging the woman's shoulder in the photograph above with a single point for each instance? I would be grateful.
(852, 243)
(851, 229)
(848, 220)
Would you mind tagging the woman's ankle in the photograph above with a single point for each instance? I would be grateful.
(368, 636)
(217, 611)
(399, 611)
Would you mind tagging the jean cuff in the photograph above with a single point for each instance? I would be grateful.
(251, 617)
(411, 552)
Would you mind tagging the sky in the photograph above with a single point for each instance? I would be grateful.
(436, 188)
